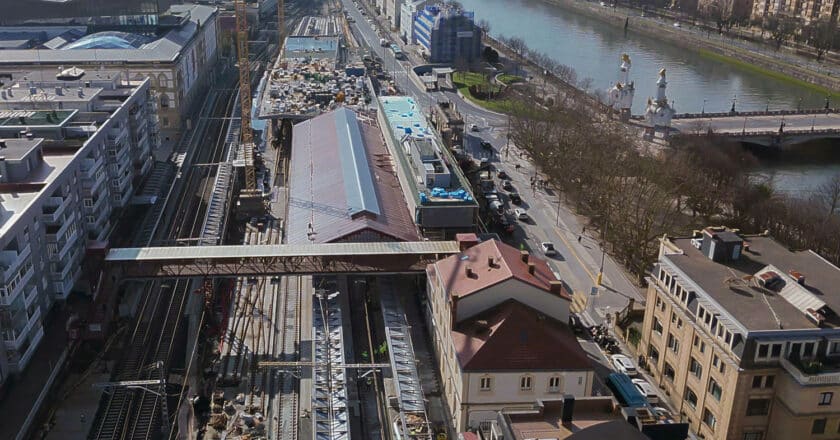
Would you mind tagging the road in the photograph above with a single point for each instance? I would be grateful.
(579, 261)
(736, 124)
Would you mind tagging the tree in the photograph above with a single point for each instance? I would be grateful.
(781, 28)
(484, 25)
(490, 55)
(820, 34)
(517, 45)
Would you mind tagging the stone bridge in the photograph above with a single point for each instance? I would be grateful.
(773, 129)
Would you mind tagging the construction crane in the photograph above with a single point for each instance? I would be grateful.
(281, 22)
(246, 135)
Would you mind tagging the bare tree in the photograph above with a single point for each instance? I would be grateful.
(821, 35)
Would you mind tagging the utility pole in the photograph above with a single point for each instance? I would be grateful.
(603, 256)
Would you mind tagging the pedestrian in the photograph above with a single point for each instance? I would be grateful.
(579, 238)
(584, 230)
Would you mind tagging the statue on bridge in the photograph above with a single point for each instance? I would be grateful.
(659, 112)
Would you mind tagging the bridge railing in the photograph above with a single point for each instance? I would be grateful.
(706, 115)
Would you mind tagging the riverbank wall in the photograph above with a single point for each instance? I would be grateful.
(725, 53)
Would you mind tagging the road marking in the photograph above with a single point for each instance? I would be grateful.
(572, 249)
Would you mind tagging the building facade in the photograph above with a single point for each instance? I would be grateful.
(70, 153)
(498, 332)
(805, 10)
(447, 34)
(179, 63)
(742, 334)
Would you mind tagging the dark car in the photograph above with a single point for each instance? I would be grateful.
(507, 186)
(515, 199)
(504, 225)
(486, 145)
(502, 175)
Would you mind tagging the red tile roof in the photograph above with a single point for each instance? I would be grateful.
(515, 337)
(507, 264)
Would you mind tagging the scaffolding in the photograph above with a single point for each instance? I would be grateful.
(330, 417)
(413, 421)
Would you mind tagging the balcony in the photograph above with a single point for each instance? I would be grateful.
(812, 372)
(12, 259)
(14, 338)
(56, 234)
(90, 166)
(54, 208)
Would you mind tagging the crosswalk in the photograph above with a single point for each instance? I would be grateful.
(579, 302)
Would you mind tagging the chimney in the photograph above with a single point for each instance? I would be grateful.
(556, 287)
(532, 268)
(81, 92)
(567, 414)
(466, 241)
(453, 311)
(491, 261)
(524, 256)
(798, 276)
(59, 90)
(33, 91)
(470, 273)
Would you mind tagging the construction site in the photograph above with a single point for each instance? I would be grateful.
(314, 342)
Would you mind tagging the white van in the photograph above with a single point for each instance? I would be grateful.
(520, 214)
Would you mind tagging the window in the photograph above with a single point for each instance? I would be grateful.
(90, 219)
(695, 368)
(696, 341)
(776, 350)
(834, 347)
(673, 343)
(702, 347)
(753, 435)
(715, 389)
(554, 384)
(88, 202)
(818, 427)
(758, 407)
(486, 384)
(768, 382)
(709, 419)
(657, 326)
(825, 398)
(669, 372)
(690, 397)
(673, 317)
(757, 381)
(715, 361)
(653, 353)
(525, 383)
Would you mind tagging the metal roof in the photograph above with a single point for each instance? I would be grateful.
(281, 250)
(358, 183)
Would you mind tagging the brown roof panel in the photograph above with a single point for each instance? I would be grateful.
(513, 336)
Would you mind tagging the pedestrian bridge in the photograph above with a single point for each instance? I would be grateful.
(283, 259)
(772, 129)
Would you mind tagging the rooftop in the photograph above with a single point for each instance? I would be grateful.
(591, 415)
(29, 118)
(318, 26)
(108, 47)
(514, 337)
(17, 149)
(342, 182)
(507, 263)
(405, 116)
(311, 47)
(732, 284)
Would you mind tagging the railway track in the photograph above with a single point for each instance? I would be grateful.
(137, 413)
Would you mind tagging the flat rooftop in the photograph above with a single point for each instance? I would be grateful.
(17, 149)
(311, 47)
(29, 118)
(593, 418)
(755, 308)
(318, 26)
(405, 116)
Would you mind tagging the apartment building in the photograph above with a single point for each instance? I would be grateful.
(175, 50)
(69, 156)
(447, 34)
(743, 335)
(499, 321)
(806, 10)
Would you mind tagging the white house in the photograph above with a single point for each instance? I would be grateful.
(499, 327)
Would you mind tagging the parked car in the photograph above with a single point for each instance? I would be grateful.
(624, 364)
(484, 161)
(473, 127)
(507, 186)
(520, 214)
(515, 199)
(502, 175)
(663, 413)
(647, 390)
(548, 248)
(487, 145)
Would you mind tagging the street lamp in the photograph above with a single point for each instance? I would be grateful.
(734, 100)
(603, 255)
(767, 109)
(703, 110)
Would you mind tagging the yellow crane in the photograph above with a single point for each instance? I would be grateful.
(246, 136)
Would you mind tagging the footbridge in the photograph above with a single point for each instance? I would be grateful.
(772, 129)
(283, 259)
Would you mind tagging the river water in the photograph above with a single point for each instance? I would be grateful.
(593, 48)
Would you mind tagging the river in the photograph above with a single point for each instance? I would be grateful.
(593, 48)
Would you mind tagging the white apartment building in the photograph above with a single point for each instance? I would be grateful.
(70, 154)
(498, 318)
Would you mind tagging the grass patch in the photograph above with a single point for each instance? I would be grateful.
(770, 73)
(509, 79)
(464, 80)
